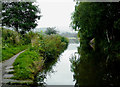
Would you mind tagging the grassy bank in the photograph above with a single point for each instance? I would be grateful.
(13, 43)
(44, 48)
(27, 65)
(10, 51)
(40, 49)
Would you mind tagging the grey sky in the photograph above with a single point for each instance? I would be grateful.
(56, 13)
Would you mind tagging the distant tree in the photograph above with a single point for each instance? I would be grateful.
(21, 16)
(50, 31)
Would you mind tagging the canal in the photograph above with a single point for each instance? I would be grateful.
(63, 74)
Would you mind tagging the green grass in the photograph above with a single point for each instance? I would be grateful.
(8, 52)
(42, 51)
(27, 65)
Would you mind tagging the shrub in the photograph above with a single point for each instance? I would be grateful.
(44, 48)
(27, 65)
(8, 52)
(13, 42)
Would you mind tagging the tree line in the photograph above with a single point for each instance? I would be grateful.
(99, 24)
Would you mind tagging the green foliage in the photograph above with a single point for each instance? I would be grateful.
(53, 46)
(50, 31)
(8, 52)
(65, 40)
(49, 46)
(97, 20)
(13, 42)
(97, 23)
(40, 48)
(27, 65)
(21, 16)
(44, 48)
(9, 36)
(28, 37)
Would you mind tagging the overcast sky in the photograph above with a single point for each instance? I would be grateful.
(56, 13)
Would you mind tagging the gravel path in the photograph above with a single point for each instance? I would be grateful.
(6, 66)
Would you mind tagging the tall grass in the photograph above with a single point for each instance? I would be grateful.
(8, 52)
(27, 65)
(44, 48)
(40, 50)
(13, 42)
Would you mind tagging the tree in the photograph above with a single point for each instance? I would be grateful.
(99, 23)
(21, 16)
(97, 19)
(50, 31)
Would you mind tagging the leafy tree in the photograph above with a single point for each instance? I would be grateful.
(98, 21)
(50, 31)
(21, 16)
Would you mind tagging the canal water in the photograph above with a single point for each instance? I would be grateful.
(63, 74)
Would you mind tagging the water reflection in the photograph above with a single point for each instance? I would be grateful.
(63, 75)
(57, 71)
(93, 68)
(41, 76)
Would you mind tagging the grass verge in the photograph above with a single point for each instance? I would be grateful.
(8, 52)
(27, 65)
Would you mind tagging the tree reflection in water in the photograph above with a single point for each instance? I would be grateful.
(95, 68)
(47, 69)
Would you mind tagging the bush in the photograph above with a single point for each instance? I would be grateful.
(13, 42)
(9, 36)
(8, 52)
(43, 49)
(27, 65)
(53, 46)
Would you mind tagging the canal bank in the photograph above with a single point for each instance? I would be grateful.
(62, 74)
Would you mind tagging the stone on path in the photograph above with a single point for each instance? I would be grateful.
(8, 76)
(9, 67)
(9, 70)
(16, 81)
